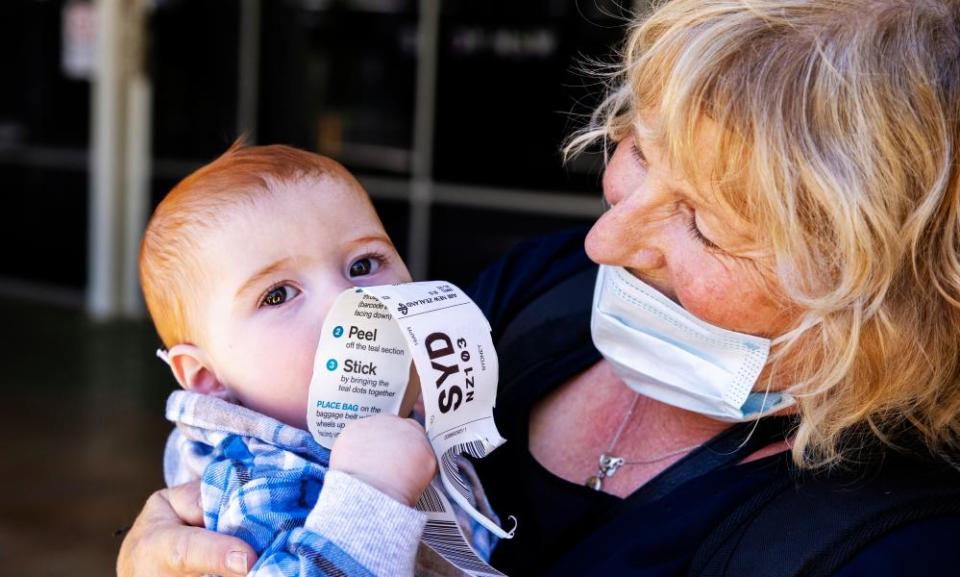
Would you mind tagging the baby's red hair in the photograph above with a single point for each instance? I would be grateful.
(169, 253)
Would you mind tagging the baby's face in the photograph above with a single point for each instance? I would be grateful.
(272, 273)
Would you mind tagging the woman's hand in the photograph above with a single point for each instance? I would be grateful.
(163, 543)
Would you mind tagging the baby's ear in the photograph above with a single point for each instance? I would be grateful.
(192, 370)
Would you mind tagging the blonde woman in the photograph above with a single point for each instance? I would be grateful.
(763, 375)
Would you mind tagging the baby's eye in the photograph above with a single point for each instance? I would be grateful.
(278, 295)
(364, 266)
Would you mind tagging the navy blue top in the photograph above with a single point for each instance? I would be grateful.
(661, 536)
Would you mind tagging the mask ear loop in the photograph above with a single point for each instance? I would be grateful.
(164, 356)
(787, 400)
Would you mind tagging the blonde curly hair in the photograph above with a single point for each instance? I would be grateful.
(840, 124)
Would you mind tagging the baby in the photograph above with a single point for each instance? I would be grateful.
(239, 265)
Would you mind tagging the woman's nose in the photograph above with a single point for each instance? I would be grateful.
(618, 238)
(626, 234)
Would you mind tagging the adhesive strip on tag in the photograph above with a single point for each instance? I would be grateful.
(368, 340)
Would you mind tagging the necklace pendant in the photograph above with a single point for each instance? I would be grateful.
(607, 466)
(595, 483)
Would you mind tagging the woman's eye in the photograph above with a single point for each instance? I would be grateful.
(695, 231)
(278, 295)
(364, 266)
(638, 154)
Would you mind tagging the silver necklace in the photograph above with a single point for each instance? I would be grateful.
(608, 463)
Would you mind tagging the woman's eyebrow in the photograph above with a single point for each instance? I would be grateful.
(262, 273)
(671, 187)
(694, 202)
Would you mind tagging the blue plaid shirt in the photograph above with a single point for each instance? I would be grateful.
(261, 481)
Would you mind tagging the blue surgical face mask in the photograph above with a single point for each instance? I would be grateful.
(663, 352)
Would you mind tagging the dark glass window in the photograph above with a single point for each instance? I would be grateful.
(339, 78)
(466, 240)
(194, 66)
(43, 226)
(508, 89)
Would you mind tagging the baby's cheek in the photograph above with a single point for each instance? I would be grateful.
(273, 371)
(283, 389)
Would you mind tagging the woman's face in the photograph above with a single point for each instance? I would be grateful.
(676, 236)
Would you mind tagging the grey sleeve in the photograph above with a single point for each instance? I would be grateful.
(377, 531)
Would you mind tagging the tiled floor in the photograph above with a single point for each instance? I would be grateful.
(82, 429)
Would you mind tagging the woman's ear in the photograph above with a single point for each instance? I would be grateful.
(192, 370)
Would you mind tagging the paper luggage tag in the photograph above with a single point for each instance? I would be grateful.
(362, 366)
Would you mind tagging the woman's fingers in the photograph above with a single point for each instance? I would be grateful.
(202, 550)
(185, 502)
(193, 551)
(160, 544)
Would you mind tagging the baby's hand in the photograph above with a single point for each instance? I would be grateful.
(388, 453)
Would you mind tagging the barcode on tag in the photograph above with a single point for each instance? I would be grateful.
(472, 448)
(445, 538)
(452, 470)
(430, 501)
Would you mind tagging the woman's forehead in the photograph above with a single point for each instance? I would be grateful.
(689, 160)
